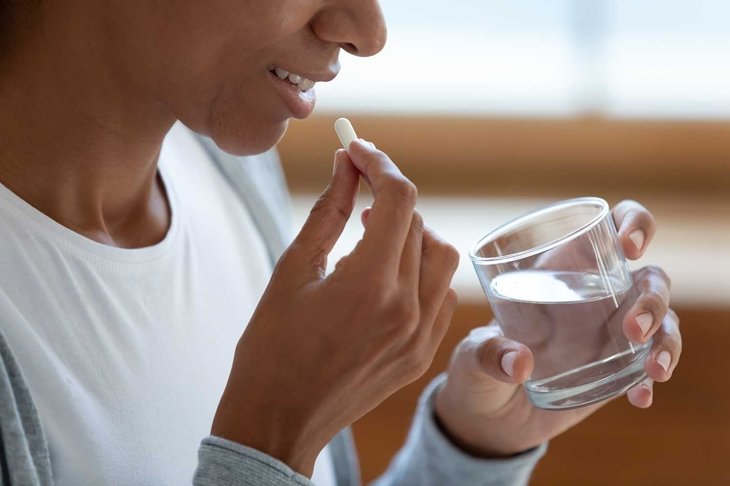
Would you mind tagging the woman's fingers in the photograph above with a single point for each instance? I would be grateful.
(328, 217)
(661, 362)
(443, 320)
(642, 395)
(636, 227)
(439, 261)
(430, 262)
(646, 315)
(666, 349)
(389, 221)
(410, 263)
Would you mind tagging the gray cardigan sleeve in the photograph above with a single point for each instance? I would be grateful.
(430, 459)
(427, 459)
(222, 462)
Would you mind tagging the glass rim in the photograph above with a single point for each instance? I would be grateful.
(511, 257)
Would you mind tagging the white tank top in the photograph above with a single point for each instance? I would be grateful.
(126, 351)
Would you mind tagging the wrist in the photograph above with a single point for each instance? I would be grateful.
(279, 435)
(476, 436)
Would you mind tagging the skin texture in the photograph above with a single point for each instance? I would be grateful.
(88, 91)
(334, 347)
(103, 82)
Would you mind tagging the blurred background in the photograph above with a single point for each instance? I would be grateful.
(494, 108)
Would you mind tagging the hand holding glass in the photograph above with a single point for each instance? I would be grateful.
(559, 283)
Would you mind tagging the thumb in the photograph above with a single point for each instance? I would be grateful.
(328, 217)
(501, 358)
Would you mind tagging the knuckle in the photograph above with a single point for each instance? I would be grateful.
(670, 331)
(654, 299)
(418, 224)
(649, 217)
(483, 354)
(451, 256)
(631, 206)
(622, 209)
(376, 294)
(672, 342)
(678, 343)
(309, 255)
(320, 203)
(326, 208)
(625, 203)
(288, 255)
(631, 211)
(403, 189)
(293, 256)
(673, 315)
(416, 364)
(675, 342)
(404, 316)
(451, 298)
(658, 272)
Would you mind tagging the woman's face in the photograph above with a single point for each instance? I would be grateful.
(214, 63)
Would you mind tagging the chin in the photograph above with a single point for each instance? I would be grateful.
(248, 139)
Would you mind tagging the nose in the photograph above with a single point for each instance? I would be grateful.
(357, 26)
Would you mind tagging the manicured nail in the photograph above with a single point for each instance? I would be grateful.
(645, 320)
(334, 167)
(508, 362)
(637, 236)
(664, 359)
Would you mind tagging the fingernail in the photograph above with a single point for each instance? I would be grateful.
(645, 320)
(637, 236)
(664, 359)
(334, 167)
(508, 362)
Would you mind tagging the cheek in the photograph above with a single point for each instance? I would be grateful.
(216, 82)
(239, 110)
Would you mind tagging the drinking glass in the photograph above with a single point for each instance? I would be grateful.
(558, 282)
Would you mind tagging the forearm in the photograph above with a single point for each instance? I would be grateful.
(430, 458)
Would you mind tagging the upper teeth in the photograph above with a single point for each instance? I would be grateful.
(303, 83)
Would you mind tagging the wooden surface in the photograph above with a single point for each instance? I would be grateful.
(683, 440)
(498, 156)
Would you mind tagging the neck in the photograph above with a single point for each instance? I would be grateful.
(78, 143)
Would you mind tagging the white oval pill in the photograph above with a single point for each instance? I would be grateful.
(345, 132)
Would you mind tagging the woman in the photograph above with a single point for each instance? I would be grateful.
(131, 266)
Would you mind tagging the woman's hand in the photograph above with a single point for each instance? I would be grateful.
(484, 408)
(321, 351)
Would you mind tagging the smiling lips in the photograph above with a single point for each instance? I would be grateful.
(301, 82)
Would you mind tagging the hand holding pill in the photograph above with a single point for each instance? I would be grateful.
(340, 343)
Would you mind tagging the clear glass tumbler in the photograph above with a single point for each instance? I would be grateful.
(558, 282)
